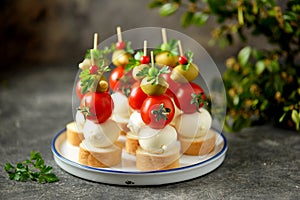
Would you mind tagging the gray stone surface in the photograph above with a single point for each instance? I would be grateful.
(35, 103)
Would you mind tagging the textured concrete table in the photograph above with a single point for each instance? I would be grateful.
(261, 162)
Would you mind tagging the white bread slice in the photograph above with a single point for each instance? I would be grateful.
(146, 161)
(132, 143)
(199, 145)
(74, 136)
(100, 157)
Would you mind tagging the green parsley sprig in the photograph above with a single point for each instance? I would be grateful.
(89, 81)
(161, 113)
(133, 62)
(189, 55)
(33, 169)
(100, 56)
(153, 73)
(198, 100)
(170, 46)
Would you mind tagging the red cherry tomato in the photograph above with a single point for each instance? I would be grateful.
(93, 69)
(173, 85)
(145, 60)
(78, 89)
(184, 97)
(120, 45)
(115, 76)
(97, 106)
(136, 96)
(183, 60)
(151, 111)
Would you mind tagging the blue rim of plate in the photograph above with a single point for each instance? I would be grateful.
(110, 170)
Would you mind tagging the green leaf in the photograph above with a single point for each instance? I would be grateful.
(34, 156)
(296, 118)
(287, 27)
(168, 9)
(244, 55)
(50, 178)
(138, 55)
(161, 113)
(164, 70)
(28, 169)
(236, 100)
(170, 47)
(185, 67)
(131, 64)
(189, 54)
(186, 19)
(282, 117)
(264, 105)
(200, 18)
(39, 163)
(8, 167)
(260, 67)
(291, 16)
(155, 4)
(47, 169)
(128, 48)
(15, 176)
(217, 6)
(275, 66)
(257, 55)
(143, 72)
(173, 47)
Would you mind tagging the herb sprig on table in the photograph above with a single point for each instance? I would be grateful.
(33, 169)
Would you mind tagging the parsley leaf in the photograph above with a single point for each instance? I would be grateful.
(170, 47)
(33, 169)
(189, 54)
(153, 73)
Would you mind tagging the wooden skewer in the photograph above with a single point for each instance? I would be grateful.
(95, 40)
(164, 36)
(152, 59)
(145, 47)
(92, 58)
(180, 48)
(119, 34)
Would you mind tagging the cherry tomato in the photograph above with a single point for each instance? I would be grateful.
(115, 76)
(173, 85)
(93, 69)
(78, 89)
(189, 97)
(97, 106)
(145, 60)
(120, 45)
(183, 60)
(136, 96)
(157, 111)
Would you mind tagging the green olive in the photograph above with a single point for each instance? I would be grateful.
(153, 71)
(154, 89)
(180, 75)
(137, 69)
(120, 57)
(102, 84)
(166, 58)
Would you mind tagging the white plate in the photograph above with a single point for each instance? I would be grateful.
(66, 156)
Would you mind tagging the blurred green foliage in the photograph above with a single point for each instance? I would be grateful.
(262, 85)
